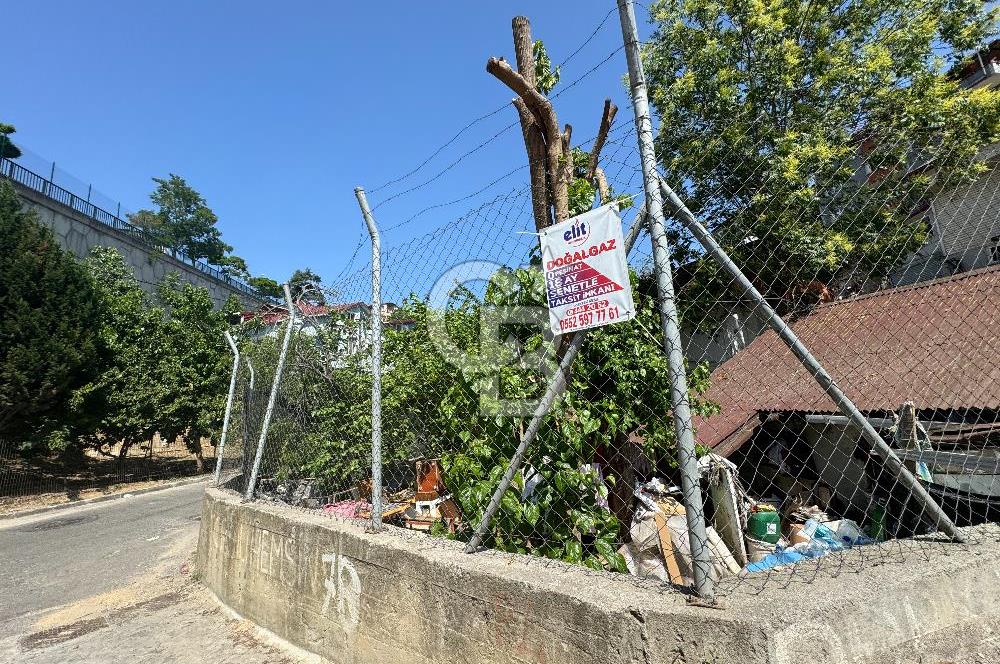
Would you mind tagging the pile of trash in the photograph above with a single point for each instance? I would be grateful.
(745, 535)
(660, 547)
(418, 507)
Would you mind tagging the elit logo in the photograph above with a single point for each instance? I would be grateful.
(577, 234)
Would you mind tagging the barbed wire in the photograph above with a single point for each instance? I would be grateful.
(491, 113)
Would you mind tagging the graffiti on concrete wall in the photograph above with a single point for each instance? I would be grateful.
(343, 590)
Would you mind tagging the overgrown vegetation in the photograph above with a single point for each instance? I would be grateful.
(89, 359)
(436, 404)
(768, 110)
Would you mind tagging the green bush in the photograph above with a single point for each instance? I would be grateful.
(48, 327)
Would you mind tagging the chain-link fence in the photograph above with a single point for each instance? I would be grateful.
(29, 480)
(839, 328)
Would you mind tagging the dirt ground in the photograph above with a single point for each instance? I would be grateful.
(30, 483)
(163, 616)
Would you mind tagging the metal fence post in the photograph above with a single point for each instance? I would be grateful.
(275, 384)
(248, 412)
(784, 332)
(687, 457)
(229, 406)
(253, 374)
(552, 392)
(376, 359)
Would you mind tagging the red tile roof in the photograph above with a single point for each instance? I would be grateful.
(936, 343)
(273, 314)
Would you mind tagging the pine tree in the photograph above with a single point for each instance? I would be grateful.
(48, 326)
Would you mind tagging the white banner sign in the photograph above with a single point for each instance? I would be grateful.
(586, 273)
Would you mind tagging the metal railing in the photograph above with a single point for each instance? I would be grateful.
(38, 183)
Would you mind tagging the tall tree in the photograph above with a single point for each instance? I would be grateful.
(307, 286)
(199, 362)
(123, 404)
(266, 286)
(48, 318)
(563, 179)
(164, 366)
(183, 221)
(793, 129)
(234, 266)
(7, 149)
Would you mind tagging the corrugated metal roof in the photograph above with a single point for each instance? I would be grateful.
(935, 343)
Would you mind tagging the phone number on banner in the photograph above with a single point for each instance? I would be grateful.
(588, 314)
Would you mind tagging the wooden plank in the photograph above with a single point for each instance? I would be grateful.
(667, 548)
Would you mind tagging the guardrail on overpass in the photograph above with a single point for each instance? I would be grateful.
(18, 173)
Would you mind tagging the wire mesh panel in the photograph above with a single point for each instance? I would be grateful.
(317, 448)
(243, 427)
(31, 479)
(837, 298)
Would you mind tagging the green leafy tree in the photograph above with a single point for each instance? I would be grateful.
(234, 266)
(307, 286)
(48, 322)
(164, 364)
(266, 286)
(767, 109)
(7, 149)
(183, 220)
(196, 363)
(122, 406)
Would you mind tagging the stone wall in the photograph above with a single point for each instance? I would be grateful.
(350, 596)
(79, 234)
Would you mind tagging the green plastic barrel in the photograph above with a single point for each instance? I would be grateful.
(876, 524)
(765, 526)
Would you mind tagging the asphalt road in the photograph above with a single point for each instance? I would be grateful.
(71, 554)
(112, 582)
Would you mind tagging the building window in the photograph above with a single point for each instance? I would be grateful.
(995, 249)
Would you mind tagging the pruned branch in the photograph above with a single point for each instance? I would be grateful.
(534, 145)
(545, 116)
(607, 118)
(540, 106)
(602, 185)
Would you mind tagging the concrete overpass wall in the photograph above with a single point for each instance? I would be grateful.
(80, 232)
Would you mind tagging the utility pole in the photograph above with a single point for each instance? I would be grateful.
(687, 458)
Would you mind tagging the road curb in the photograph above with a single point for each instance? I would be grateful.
(101, 499)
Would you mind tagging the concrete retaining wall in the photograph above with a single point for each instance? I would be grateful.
(327, 586)
(79, 234)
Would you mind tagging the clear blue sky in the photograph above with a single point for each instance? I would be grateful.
(276, 111)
